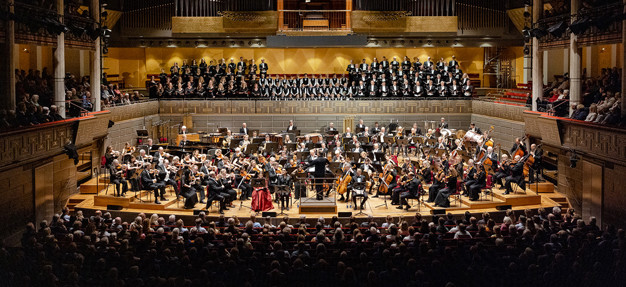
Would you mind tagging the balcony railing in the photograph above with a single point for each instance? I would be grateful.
(315, 20)
(213, 8)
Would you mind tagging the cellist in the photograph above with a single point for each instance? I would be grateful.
(343, 181)
(388, 179)
(519, 144)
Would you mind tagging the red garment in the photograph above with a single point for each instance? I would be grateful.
(261, 199)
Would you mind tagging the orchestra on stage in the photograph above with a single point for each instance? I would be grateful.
(268, 170)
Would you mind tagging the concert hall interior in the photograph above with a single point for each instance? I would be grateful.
(310, 142)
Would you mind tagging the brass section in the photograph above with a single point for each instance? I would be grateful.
(182, 25)
(509, 112)
(377, 21)
(317, 107)
(431, 24)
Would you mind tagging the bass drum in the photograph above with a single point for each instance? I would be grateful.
(472, 136)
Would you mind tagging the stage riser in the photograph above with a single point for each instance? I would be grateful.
(544, 187)
(318, 209)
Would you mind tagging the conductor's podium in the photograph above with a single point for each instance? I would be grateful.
(312, 205)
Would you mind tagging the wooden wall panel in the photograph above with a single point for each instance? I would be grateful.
(128, 61)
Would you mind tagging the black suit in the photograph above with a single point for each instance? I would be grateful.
(214, 190)
(358, 183)
(320, 172)
(244, 130)
(412, 191)
(474, 189)
(517, 176)
(148, 183)
(292, 128)
(117, 179)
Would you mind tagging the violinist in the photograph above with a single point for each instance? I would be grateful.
(469, 177)
(117, 178)
(128, 151)
(167, 172)
(503, 170)
(425, 172)
(480, 178)
(412, 190)
(437, 182)
(357, 188)
(188, 190)
(150, 182)
(109, 156)
(227, 180)
(197, 182)
(143, 157)
(214, 190)
(442, 199)
(517, 175)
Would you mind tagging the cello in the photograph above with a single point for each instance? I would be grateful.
(386, 178)
(343, 181)
(519, 151)
(530, 160)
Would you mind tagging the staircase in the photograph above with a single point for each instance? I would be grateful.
(498, 69)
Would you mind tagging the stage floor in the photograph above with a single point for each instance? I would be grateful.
(376, 207)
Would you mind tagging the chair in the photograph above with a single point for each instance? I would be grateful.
(488, 187)
(457, 194)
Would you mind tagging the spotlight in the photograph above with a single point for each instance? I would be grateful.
(105, 50)
(538, 33)
(526, 14)
(526, 34)
(104, 14)
(557, 29)
(602, 22)
(526, 50)
(573, 159)
(580, 25)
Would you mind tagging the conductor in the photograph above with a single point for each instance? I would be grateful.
(319, 162)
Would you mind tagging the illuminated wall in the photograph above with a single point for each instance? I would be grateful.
(136, 63)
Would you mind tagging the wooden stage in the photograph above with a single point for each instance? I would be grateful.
(88, 201)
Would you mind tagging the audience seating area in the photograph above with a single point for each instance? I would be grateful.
(546, 248)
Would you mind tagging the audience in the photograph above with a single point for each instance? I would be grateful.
(600, 100)
(534, 249)
(384, 79)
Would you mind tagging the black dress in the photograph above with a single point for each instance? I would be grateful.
(442, 197)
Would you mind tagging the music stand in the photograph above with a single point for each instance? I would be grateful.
(258, 140)
(291, 146)
(252, 148)
(310, 146)
(332, 133)
(271, 147)
(281, 190)
(364, 140)
(354, 156)
(329, 138)
(389, 140)
(300, 155)
(431, 142)
(403, 142)
(440, 151)
(234, 143)
(418, 140)
(222, 131)
(345, 140)
(378, 156)
(358, 130)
